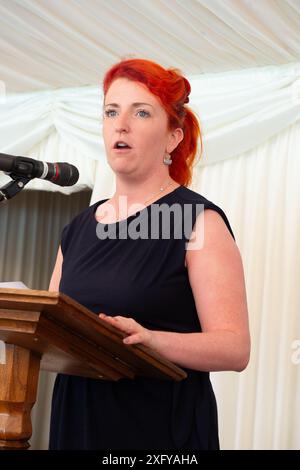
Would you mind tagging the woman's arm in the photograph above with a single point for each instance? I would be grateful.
(217, 281)
(56, 275)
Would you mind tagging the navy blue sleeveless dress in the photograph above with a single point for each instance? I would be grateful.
(145, 279)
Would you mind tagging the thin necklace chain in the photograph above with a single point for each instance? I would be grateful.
(161, 189)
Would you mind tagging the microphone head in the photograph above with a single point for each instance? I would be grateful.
(66, 174)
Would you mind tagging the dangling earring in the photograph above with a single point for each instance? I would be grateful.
(167, 159)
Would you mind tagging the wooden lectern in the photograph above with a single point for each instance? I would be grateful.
(48, 330)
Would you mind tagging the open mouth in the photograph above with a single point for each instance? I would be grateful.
(121, 145)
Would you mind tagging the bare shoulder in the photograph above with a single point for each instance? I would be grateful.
(210, 235)
(216, 276)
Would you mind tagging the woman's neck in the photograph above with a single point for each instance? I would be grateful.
(143, 192)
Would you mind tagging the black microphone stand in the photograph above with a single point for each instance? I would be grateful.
(13, 187)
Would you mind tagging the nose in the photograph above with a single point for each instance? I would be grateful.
(122, 123)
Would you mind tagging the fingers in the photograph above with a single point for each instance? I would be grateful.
(128, 325)
(112, 320)
(136, 333)
(133, 339)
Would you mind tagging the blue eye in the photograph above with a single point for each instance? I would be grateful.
(109, 113)
(143, 113)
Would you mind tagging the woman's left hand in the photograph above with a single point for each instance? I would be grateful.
(136, 332)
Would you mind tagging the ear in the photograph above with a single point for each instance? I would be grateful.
(175, 137)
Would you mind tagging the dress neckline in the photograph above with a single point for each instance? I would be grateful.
(97, 204)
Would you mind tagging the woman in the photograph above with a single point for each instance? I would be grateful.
(187, 301)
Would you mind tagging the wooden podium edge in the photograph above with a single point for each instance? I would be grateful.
(59, 299)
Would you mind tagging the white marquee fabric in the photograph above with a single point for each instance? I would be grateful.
(57, 125)
(66, 43)
(260, 193)
(237, 111)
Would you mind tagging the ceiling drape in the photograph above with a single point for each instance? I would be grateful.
(65, 43)
(237, 111)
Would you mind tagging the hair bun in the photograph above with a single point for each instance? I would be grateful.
(187, 87)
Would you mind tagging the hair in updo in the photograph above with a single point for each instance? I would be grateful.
(173, 91)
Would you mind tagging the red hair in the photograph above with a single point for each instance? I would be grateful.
(173, 91)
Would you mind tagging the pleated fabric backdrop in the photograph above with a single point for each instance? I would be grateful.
(260, 193)
(30, 228)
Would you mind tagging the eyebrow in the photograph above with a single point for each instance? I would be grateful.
(134, 105)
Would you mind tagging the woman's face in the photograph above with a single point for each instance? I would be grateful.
(135, 129)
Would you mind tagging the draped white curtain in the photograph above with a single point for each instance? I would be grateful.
(57, 125)
(30, 229)
(237, 110)
(250, 167)
(260, 193)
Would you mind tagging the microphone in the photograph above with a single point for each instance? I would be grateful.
(62, 174)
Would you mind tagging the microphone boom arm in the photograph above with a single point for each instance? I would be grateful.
(13, 187)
